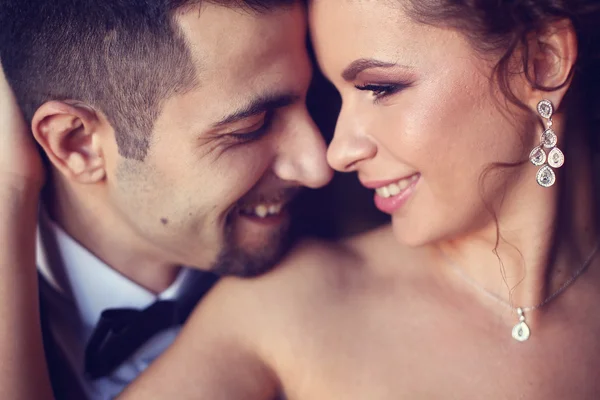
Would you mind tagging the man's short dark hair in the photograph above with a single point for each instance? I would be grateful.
(122, 57)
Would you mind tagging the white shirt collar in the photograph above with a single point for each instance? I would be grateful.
(92, 285)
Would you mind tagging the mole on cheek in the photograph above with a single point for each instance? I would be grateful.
(164, 221)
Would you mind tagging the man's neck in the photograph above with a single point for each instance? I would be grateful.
(109, 238)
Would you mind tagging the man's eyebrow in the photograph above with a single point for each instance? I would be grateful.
(258, 106)
(357, 66)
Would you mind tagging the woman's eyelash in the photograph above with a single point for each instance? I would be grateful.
(381, 91)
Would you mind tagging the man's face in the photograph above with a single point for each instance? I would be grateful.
(226, 157)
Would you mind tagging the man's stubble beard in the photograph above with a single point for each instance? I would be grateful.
(233, 260)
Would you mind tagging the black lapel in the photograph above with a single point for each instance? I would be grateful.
(65, 385)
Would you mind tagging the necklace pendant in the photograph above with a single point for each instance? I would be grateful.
(520, 331)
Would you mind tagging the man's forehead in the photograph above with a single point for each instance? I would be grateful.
(238, 42)
(244, 62)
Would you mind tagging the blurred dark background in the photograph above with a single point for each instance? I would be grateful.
(344, 207)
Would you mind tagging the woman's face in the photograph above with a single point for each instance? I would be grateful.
(422, 120)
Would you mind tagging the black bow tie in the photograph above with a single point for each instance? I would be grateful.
(121, 332)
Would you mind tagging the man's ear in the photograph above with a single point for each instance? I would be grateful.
(68, 132)
(552, 56)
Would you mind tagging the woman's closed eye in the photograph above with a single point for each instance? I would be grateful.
(381, 91)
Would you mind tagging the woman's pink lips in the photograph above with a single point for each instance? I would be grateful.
(391, 204)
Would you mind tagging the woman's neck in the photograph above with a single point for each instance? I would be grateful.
(540, 239)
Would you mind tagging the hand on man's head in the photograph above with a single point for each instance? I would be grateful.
(20, 162)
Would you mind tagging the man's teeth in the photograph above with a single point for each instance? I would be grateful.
(394, 189)
(264, 210)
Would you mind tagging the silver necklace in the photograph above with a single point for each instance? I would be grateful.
(521, 331)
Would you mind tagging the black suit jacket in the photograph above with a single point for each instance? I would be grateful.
(64, 382)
